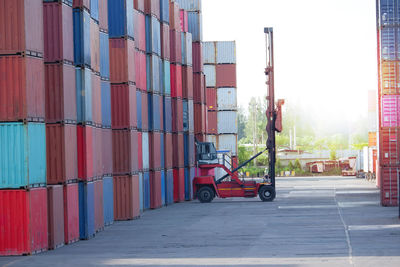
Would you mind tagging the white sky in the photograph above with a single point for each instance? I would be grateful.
(325, 50)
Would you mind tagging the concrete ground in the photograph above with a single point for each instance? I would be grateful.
(321, 221)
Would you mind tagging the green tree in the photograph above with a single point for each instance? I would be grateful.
(241, 124)
(297, 165)
(290, 166)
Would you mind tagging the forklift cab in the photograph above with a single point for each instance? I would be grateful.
(206, 153)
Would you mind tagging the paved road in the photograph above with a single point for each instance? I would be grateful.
(324, 221)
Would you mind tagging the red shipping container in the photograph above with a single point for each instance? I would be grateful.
(60, 93)
(155, 150)
(134, 164)
(98, 206)
(187, 78)
(174, 16)
(140, 151)
(123, 106)
(145, 114)
(21, 88)
(96, 99)
(212, 127)
(138, 5)
(126, 198)
(198, 91)
(103, 15)
(55, 198)
(122, 60)
(197, 56)
(106, 153)
(178, 150)
(165, 42)
(140, 30)
(71, 213)
(85, 152)
(179, 184)
(198, 119)
(97, 150)
(81, 4)
(155, 190)
(121, 152)
(23, 217)
(183, 15)
(389, 189)
(22, 26)
(389, 139)
(177, 115)
(168, 150)
(58, 32)
(200, 137)
(211, 99)
(94, 46)
(61, 153)
(176, 80)
(141, 72)
(205, 117)
(176, 46)
(226, 75)
(152, 7)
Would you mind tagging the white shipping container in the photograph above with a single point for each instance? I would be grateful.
(209, 53)
(209, 71)
(227, 122)
(191, 115)
(188, 48)
(227, 98)
(189, 5)
(228, 142)
(213, 139)
(226, 52)
(145, 150)
(370, 159)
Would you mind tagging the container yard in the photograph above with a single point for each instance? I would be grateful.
(121, 120)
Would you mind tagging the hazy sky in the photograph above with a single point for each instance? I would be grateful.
(325, 50)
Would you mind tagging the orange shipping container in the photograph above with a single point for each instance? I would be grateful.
(372, 139)
(126, 197)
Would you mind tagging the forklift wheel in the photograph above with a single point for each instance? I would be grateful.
(205, 194)
(267, 193)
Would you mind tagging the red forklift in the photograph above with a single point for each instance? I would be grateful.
(207, 187)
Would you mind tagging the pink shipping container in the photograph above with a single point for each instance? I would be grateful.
(55, 198)
(197, 56)
(22, 27)
(103, 15)
(165, 42)
(122, 60)
(391, 110)
(85, 152)
(176, 80)
(140, 68)
(155, 190)
(22, 93)
(198, 88)
(62, 157)
(174, 16)
(226, 75)
(176, 46)
(71, 213)
(178, 148)
(107, 152)
(168, 150)
(23, 217)
(177, 115)
(140, 30)
(138, 5)
(123, 106)
(152, 7)
(58, 32)
(389, 187)
(126, 198)
(155, 150)
(81, 4)
(97, 150)
(183, 15)
(94, 46)
(98, 206)
(96, 99)
(187, 79)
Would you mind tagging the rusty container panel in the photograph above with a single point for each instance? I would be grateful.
(141, 70)
(96, 99)
(85, 152)
(58, 32)
(98, 206)
(21, 26)
(140, 30)
(152, 7)
(62, 158)
(155, 150)
(107, 151)
(198, 119)
(121, 152)
(155, 189)
(21, 88)
(168, 150)
(211, 98)
(122, 60)
(103, 15)
(71, 213)
(24, 221)
(138, 5)
(94, 46)
(177, 115)
(178, 148)
(55, 198)
(197, 56)
(60, 93)
(226, 75)
(187, 78)
(198, 88)
(165, 42)
(123, 106)
(126, 198)
(212, 126)
(97, 150)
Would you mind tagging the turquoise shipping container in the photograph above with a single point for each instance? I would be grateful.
(22, 154)
(166, 78)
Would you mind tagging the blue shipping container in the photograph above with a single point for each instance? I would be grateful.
(167, 114)
(191, 153)
(82, 54)
(189, 5)
(164, 11)
(141, 189)
(188, 184)
(22, 154)
(86, 210)
(166, 77)
(195, 26)
(163, 196)
(120, 18)
(389, 45)
(104, 56)
(106, 103)
(154, 112)
(94, 9)
(192, 175)
(108, 200)
(389, 12)
(84, 95)
(186, 149)
(185, 115)
(153, 35)
(153, 73)
(146, 193)
(170, 187)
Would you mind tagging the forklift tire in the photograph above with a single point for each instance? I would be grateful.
(205, 194)
(267, 193)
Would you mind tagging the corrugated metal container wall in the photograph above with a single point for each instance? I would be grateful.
(188, 185)
(227, 122)
(107, 148)
(197, 56)
(81, 4)
(189, 47)
(184, 20)
(226, 52)
(96, 101)
(120, 18)
(22, 88)
(103, 15)
(55, 216)
(140, 30)
(228, 142)
(104, 56)
(146, 190)
(213, 139)
(126, 198)
(174, 18)
(198, 119)
(145, 151)
(191, 115)
(94, 9)
(22, 29)
(152, 7)
(389, 49)
(209, 71)
(62, 158)
(166, 78)
(169, 187)
(389, 186)
(389, 80)
(123, 106)
(139, 5)
(192, 156)
(179, 185)
(140, 151)
(106, 103)
(60, 93)
(153, 35)
(168, 150)
(195, 26)
(177, 115)
(155, 114)
(167, 114)
(163, 187)
(227, 98)
(165, 42)
(183, 51)
(141, 70)
(28, 211)
(141, 203)
(71, 213)
(122, 60)
(155, 150)
(84, 95)
(178, 148)
(198, 85)
(388, 13)
(94, 46)
(134, 150)
(155, 189)
(97, 152)
(86, 210)
(389, 146)
(22, 154)
(212, 126)
(187, 80)
(226, 75)
(185, 115)
(209, 53)
(58, 32)
(211, 98)
(176, 80)
(164, 11)
(139, 108)
(190, 5)
(390, 110)
(82, 53)
(176, 46)
(121, 152)
(98, 206)
(153, 73)
(145, 114)
(85, 152)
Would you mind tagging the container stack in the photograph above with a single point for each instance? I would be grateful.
(23, 193)
(388, 29)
